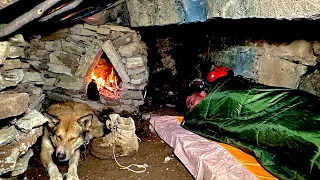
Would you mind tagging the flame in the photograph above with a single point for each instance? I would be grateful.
(108, 86)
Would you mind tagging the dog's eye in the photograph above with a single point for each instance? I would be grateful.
(58, 137)
(72, 138)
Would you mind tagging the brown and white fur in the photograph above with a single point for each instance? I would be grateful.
(70, 125)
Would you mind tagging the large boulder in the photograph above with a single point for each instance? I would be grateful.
(164, 12)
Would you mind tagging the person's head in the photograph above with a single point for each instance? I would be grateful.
(194, 99)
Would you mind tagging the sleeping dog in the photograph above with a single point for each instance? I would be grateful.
(70, 125)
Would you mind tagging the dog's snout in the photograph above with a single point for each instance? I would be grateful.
(61, 155)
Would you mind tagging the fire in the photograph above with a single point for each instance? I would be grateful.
(107, 82)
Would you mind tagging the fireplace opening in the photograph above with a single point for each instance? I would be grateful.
(104, 81)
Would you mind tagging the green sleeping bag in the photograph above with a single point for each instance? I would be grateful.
(280, 127)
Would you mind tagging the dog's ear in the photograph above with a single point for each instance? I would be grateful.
(52, 121)
(85, 121)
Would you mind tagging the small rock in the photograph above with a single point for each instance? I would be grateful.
(70, 82)
(77, 39)
(13, 64)
(14, 75)
(130, 50)
(167, 159)
(36, 97)
(131, 94)
(83, 32)
(137, 103)
(53, 45)
(22, 163)
(125, 101)
(134, 86)
(59, 97)
(8, 135)
(61, 69)
(30, 120)
(35, 64)
(134, 62)
(48, 81)
(16, 52)
(18, 40)
(127, 38)
(137, 78)
(36, 44)
(114, 35)
(40, 52)
(32, 77)
(137, 70)
(90, 27)
(103, 31)
(4, 50)
(64, 58)
(73, 48)
(146, 116)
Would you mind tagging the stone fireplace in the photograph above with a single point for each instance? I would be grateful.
(68, 58)
(104, 66)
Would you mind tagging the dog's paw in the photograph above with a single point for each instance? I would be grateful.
(72, 176)
(56, 176)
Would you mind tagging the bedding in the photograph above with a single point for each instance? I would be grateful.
(206, 159)
(280, 127)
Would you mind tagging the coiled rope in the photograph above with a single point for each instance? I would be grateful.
(144, 166)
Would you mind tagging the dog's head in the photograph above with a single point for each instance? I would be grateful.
(68, 137)
(70, 128)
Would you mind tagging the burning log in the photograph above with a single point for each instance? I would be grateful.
(106, 79)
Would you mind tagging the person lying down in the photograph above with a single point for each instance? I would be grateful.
(279, 126)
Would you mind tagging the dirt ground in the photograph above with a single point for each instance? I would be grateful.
(152, 151)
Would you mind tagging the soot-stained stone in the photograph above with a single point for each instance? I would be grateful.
(93, 92)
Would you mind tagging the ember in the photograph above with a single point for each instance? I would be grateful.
(106, 79)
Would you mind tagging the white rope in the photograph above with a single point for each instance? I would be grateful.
(121, 166)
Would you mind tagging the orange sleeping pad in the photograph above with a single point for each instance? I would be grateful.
(245, 159)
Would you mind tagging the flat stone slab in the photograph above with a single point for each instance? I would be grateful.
(13, 104)
(8, 134)
(115, 59)
(30, 120)
(274, 71)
